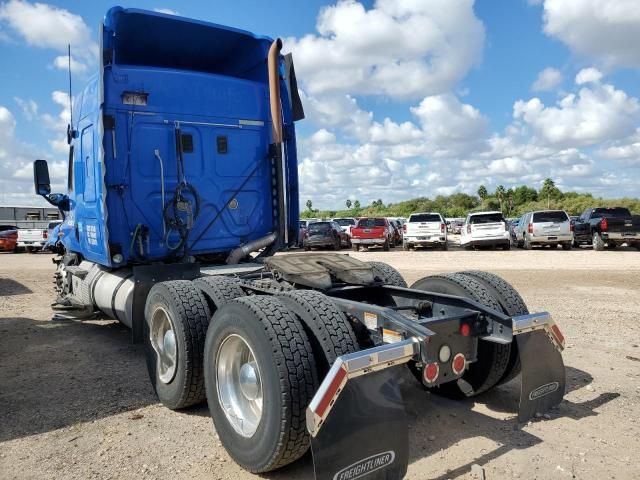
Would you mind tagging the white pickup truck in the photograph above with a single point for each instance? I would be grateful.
(31, 239)
(424, 229)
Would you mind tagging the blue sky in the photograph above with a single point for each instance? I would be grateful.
(403, 99)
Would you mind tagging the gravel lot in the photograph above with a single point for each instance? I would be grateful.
(75, 401)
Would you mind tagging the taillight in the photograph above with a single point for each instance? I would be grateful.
(530, 229)
(465, 329)
(442, 227)
(45, 234)
(604, 225)
(431, 372)
(571, 226)
(404, 228)
(459, 363)
(469, 228)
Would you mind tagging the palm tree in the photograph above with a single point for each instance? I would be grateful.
(482, 192)
(500, 193)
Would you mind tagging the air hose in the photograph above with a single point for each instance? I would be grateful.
(181, 211)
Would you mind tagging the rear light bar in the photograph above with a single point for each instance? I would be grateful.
(604, 225)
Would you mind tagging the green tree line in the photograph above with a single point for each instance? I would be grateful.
(513, 202)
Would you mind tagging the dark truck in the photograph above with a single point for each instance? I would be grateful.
(607, 228)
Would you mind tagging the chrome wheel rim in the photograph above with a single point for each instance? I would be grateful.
(239, 385)
(163, 340)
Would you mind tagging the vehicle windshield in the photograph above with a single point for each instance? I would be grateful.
(425, 217)
(486, 218)
(611, 212)
(371, 222)
(345, 222)
(556, 216)
(319, 227)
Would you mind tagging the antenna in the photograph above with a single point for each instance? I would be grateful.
(70, 97)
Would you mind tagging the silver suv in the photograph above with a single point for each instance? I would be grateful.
(545, 227)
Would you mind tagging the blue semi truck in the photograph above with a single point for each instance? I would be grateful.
(182, 187)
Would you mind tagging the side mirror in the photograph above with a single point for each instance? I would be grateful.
(41, 177)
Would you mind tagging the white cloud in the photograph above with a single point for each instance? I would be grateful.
(398, 49)
(47, 26)
(16, 160)
(588, 75)
(29, 108)
(596, 114)
(61, 62)
(607, 31)
(548, 79)
(166, 11)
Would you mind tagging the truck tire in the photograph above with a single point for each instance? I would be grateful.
(256, 338)
(598, 243)
(567, 245)
(355, 247)
(526, 244)
(512, 304)
(611, 246)
(406, 247)
(444, 246)
(387, 274)
(219, 289)
(328, 329)
(176, 318)
(493, 358)
(385, 247)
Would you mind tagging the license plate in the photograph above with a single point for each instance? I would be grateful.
(367, 230)
(422, 238)
(629, 234)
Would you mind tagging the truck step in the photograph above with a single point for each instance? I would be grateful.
(77, 271)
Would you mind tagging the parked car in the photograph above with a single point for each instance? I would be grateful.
(607, 227)
(323, 235)
(544, 227)
(424, 229)
(4, 228)
(8, 240)
(455, 226)
(371, 232)
(485, 229)
(32, 239)
(513, 225)
(396, 233)
(346, 224)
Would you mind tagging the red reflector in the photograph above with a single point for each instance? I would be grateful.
(431, 372)
(458, 364)
(557, 334)
(331, 391)
(465, 329)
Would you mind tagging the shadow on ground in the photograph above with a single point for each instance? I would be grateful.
(8, 286)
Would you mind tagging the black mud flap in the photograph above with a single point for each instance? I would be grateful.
(543, 374)
(365, 435)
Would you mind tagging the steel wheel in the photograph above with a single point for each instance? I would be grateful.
(163, 341)
(239, 385)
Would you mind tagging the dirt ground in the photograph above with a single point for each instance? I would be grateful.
(76, 403)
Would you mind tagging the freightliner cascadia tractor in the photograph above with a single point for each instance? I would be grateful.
(182, 187)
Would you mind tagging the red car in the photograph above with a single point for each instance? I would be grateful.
(8, 240)
(372, 232)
